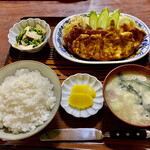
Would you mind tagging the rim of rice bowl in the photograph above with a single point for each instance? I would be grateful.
(45, 71)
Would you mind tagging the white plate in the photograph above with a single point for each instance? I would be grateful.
(143, 49)
(82, 79)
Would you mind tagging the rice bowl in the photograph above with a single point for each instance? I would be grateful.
(26, 99)
(30, 104)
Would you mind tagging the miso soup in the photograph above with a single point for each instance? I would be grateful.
(128, 96)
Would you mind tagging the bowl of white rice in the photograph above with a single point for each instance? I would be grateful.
(30, 95)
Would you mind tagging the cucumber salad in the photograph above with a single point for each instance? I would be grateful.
(31, 37)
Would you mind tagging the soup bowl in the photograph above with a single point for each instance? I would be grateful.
(126, 91)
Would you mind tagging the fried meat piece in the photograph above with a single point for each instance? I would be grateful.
(75, 32)
(87, 46)
(110, 46)
(138, 35)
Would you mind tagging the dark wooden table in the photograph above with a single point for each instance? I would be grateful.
(12, 11)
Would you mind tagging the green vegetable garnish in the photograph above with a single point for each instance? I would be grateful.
(39, 31)
(104, 20)
(113, 19)
(103, 17)
(34, 43)
(93, 20)
(125, 85)
(129, 85)
(21, 34)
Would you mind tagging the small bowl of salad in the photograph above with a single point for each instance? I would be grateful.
(29, 35)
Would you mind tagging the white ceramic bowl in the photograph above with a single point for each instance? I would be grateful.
(82, 79)
(58, 43)
(15, 30)
(45, 71)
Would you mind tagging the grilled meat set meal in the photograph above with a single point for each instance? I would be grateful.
(117, 39)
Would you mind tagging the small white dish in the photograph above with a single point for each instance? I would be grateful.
(58, 43)
(82, 79)
(16, 29)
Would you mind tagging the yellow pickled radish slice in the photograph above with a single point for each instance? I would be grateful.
(80, 100)
(84, 89)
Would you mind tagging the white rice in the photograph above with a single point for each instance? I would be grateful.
(25, 101)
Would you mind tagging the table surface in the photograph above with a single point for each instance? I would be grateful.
(12, 11)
